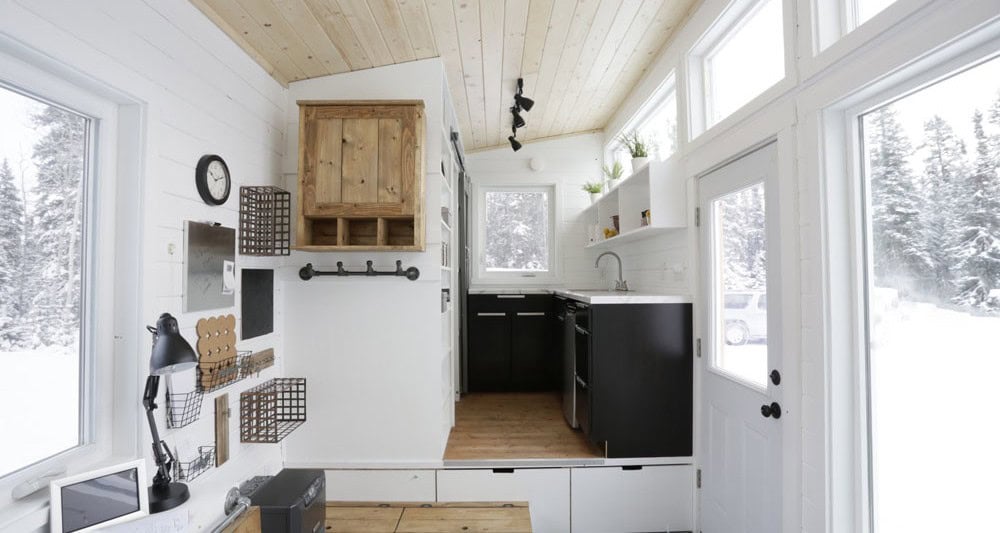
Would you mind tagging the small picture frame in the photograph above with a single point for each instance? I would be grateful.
(99, 498)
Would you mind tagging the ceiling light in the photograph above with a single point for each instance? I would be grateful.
(523, 102)
(514, 144)
(518, 119)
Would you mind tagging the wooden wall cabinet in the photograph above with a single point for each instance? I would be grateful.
(361, 176)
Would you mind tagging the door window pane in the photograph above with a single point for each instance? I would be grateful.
(517, 231)
(43, 154)
(741, 281)
(746, 61)
(934, 304)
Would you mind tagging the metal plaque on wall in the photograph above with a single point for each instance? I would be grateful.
(209, 266)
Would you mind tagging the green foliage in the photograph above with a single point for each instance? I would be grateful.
(593, 187)
(615, 171)
(636, 145)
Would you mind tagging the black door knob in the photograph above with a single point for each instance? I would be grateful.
(773, 410)
(775, 377)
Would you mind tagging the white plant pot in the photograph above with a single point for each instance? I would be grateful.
(638, 163)
(594, 196)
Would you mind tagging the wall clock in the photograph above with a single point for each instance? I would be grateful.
(212, 178)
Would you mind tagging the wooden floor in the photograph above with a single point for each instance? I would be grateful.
(514, 426)
(355, 517)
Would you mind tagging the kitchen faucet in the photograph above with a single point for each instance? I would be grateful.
(620, 284)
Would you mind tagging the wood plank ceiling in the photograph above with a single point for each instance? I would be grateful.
(579, 58)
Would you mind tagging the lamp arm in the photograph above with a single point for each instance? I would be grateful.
(164, 459)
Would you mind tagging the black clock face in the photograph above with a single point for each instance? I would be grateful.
(213, 181)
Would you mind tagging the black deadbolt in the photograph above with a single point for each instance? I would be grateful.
(773, 410)
(776, 377)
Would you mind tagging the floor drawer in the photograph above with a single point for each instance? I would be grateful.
(545, 489)
(625, 499)
(380, 485)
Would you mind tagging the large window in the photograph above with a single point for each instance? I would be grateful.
(743, 59)
(866, 9)
(656, 123)
(44, 154)
(932, 182)
(517, 232)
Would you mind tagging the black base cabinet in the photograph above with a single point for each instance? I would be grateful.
(512, 343)
(641, 379)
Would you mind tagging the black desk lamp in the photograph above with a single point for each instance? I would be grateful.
(171, 353)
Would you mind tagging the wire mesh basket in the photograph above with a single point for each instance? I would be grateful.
(213, 376)
(265, 221)
(189, 470)
(270, 411)
(183, 408)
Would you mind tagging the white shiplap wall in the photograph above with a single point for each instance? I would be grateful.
(567, 163)
(200, 94)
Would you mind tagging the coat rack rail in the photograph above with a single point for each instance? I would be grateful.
(308, 272)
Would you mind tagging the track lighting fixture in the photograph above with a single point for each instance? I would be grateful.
(521, 101)
(514, 144)
(518, 119)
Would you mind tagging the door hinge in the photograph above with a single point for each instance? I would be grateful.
(698, 478)
(697, 217)
(697, 348)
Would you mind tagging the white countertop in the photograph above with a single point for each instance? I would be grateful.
(595, 296)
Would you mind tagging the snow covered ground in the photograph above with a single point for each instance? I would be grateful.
(39, 406)
(935, 423)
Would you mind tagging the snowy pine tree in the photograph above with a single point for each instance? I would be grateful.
(944, 167)
(744, 240)
(56, 225)
(978, 250)
(902, 261)
(13, 306)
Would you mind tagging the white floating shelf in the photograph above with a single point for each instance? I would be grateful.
(644, 232)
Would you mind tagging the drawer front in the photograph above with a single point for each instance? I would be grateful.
(651, 498)
(511, 302)
(380, 485)
(545, 489)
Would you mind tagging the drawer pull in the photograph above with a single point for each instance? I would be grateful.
(632, 467)
(491, 314)
(503, 470)
(532, 313)
(510, 296)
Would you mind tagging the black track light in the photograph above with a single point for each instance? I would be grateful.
(514, 144)
(518, 119)
(524, 102)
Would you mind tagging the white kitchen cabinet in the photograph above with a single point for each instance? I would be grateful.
(545, 489)
(380, 485)
(649, 498)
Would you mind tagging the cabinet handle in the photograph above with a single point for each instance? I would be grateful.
(510, 296)
(491, 314)
(532, 313)
(582, 331)
(503, 470)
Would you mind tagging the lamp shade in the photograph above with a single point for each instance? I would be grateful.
(171, 353)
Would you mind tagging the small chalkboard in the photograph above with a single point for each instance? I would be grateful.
(257, 302)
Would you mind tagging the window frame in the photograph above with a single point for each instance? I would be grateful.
(732, 18)
(845, 258)
(666, 91)
(110, 296)
(480, 274)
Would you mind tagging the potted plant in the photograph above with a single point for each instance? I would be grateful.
(594, 189)
(637, 147)
(614, 172)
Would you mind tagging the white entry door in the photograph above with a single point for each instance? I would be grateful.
(741, 435)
